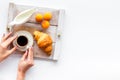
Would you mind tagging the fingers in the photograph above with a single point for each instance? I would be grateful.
(12, 50)
(30, 57)
(30, 54)
(9, 52)
(5, 37)
(25, 55)
(9, 41)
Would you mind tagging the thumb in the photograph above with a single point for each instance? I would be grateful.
(24, 55)
(12, 50)
(9, 52)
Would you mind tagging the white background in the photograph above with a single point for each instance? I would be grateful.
(90, 42)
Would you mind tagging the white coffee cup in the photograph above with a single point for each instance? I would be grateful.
(23, 41)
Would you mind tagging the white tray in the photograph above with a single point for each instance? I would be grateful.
(55, 30)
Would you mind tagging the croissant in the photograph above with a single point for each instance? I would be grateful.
(44, 41)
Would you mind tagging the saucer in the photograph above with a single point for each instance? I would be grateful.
(29, 38)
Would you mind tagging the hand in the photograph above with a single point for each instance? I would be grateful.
(5, 42)
(25, 63)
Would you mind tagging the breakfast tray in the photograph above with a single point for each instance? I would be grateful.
(55, 29)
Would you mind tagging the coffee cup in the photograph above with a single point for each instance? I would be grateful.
(23, 41)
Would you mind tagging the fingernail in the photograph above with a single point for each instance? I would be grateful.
(26, 51)
(9, 33)
(16, 47)
(31, 47)
(15, 36)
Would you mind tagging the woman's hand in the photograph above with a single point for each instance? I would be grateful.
(25, 63)
(5, 42)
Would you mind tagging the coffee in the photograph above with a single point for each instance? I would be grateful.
(22, 41)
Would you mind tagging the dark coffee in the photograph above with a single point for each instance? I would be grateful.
(22, 41)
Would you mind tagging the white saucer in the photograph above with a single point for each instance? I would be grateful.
(28, 36)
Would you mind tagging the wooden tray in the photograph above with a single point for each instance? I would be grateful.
(54, 30)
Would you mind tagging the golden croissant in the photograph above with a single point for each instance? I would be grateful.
(44, 41)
